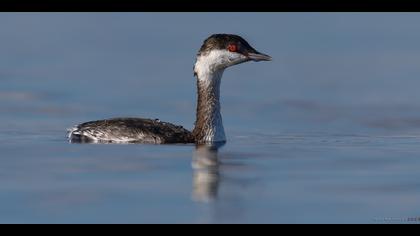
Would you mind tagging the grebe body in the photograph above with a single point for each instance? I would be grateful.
(218, 52)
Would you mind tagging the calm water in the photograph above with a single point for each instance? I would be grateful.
(328, 132)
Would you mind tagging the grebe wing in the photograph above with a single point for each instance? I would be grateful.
(129, 130)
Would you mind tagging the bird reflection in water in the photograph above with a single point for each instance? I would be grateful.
(206, 176)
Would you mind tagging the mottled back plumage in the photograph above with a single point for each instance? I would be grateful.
(130, 130)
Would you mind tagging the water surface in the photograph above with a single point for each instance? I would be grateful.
(328, 132)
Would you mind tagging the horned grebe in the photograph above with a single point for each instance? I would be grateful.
(218, 52)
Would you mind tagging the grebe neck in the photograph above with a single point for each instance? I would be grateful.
(208, 125)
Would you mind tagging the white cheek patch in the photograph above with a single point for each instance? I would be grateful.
(215, 60)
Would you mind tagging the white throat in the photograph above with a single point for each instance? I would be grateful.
(209, 124)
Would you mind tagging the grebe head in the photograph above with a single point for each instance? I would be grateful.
(220, 51)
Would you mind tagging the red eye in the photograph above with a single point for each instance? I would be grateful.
(232, 48)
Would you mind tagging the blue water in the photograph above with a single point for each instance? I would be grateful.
(328, 132)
